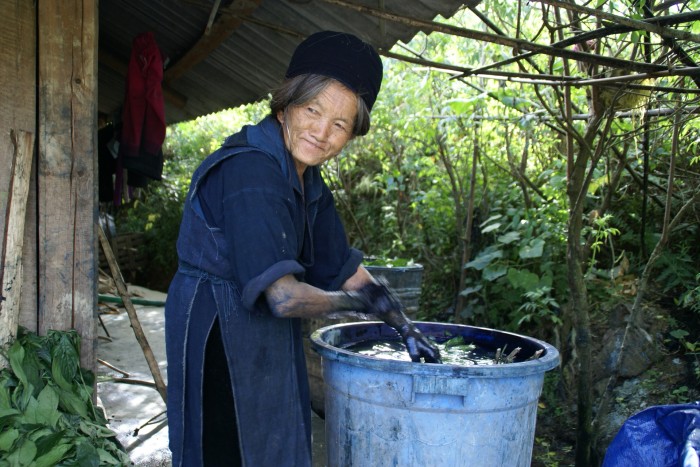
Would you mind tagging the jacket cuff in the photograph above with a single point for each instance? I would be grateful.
(257, 285)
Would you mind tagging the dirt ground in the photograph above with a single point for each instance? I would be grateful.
(135, 412)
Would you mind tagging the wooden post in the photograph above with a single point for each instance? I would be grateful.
(67, 167)
(18, 101)
(13, 240)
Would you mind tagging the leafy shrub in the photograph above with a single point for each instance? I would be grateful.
(47, 417)
(518, 276)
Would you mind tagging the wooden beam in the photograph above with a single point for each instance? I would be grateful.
(221, 30)
(67, 168)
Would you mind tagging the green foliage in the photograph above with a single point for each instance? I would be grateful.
(540, 308)
(691, 298)
(47, 417)
(681, 335)
(601, 232)
(514, 280)
(403, 191)
(678, 269)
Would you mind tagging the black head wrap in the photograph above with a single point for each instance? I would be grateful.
(343, 57)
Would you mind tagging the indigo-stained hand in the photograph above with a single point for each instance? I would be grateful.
(382, 302)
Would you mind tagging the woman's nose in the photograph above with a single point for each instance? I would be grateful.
(321, 129)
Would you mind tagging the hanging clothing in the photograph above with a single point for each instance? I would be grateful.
(106, 164)
(143, 116)
(247, 222)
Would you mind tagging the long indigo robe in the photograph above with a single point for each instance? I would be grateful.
(247, 223)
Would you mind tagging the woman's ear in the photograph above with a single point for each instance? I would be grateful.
(280, 116)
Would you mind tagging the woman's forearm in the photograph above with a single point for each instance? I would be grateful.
(289, 298)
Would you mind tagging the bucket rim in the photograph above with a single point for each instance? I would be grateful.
(547, 361)
(416, 267)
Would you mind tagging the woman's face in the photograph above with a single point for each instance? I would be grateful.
(318, 130)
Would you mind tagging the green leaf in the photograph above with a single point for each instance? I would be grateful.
(64, 363)
(72, 403)
(54, 456)
(107, 458)
(8, 412)
(533, 250)
(7, 439)
(87, 455)
(24, 455)
(523, 279)
(5, 399)
(483, 260)
(493, 272)
(490, 227)
(38, 434)
(464, 106)
(31, 410)
(50, 439)
(470, 290)
(509, 237)
(94, 430)
(21, 396)
(455, 341)
(48, 407)
(679, 334)
(490, 219)
(16, 354)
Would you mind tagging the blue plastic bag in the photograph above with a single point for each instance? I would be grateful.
(664, 436)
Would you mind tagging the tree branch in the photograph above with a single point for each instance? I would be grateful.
(517, 44)
(621, 20)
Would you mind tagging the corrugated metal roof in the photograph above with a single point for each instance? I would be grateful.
(260, 37)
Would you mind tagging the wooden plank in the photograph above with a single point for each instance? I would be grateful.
(230, 20)
(18, 110)
(67, 167)
(13, 238)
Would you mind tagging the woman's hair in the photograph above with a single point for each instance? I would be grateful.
(301, 89)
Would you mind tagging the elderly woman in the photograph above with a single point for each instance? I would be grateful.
(260, 247)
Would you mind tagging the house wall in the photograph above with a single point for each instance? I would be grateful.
(50, 49)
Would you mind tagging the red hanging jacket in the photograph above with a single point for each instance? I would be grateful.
(143, 115)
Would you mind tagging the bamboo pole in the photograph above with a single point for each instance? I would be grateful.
(131, 311)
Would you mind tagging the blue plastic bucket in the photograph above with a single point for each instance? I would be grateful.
(394, 413)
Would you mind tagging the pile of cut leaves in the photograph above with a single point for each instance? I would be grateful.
(47, 416)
